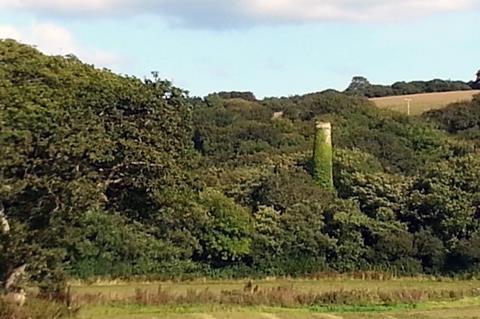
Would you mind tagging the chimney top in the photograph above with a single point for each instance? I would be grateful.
(324, 125)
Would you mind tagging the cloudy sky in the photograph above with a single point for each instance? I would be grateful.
(270, 47)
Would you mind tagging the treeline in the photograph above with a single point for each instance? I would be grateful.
(460, 119)
(89, 160)
(361, 86)
(104, 175)
(395, 195)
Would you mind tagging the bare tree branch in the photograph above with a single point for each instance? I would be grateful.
(4, 225)
(15, 277)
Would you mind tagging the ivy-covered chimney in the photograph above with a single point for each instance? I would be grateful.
(323, 155)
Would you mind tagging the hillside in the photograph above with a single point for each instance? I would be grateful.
(111, 176)
(460, 119)
(360, 86)
(421, 103)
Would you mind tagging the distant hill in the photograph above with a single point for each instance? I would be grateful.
(360, 86)
(421, 103)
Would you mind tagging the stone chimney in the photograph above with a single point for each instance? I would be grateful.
(323, 155)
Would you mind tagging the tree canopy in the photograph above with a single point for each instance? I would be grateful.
(109, 175)
(361, 86)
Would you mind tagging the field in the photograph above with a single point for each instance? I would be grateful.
(410, 298)
(421, 103)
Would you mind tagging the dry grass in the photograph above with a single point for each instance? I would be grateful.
(324, 295)
(280, 296)
(322, 282)
(34, 308)
(421, 103)
(326, 290)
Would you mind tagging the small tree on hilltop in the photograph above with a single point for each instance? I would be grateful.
(358, 83)
(476, 84)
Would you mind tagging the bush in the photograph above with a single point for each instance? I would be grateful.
(107, 245)
(226, 236)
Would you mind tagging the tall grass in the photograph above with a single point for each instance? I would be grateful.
(35, 309)
(282, 296)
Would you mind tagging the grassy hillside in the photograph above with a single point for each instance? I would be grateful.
(421, 103)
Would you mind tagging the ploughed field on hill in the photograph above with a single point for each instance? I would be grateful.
(421, 103)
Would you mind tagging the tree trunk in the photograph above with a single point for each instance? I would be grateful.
(4, 225)
(14, 276)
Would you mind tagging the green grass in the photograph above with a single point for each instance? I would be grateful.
(467, 308)
(421, 103)
(447, 309)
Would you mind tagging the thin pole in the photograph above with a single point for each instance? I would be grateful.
(408, 105)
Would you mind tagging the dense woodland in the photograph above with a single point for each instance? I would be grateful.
(109, 175)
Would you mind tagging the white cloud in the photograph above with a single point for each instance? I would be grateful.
(7, 31)
(311, 10)
(62, 5)
(56, 40)
(229, 13)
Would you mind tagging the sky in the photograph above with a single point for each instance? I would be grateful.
(268, 47)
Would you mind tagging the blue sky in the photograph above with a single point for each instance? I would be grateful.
(269, 47)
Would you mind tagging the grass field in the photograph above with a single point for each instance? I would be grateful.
(465, 309)
(421, 103)
(418, 298)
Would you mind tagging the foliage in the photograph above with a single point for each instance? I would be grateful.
(445, 198)
(108, 175)
(248, 96)
(106, 245)
(361, 86)
(458, 118)
(75, 139)
(226, 234)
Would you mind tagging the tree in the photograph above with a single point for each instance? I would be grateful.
(248, 96)
(476, 84)
(226, 234)
(75, 139)
(444, 198)
(430, 250)
(21, 259)
(358, 83)
(360, 86)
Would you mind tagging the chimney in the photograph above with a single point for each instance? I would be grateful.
(323, 155)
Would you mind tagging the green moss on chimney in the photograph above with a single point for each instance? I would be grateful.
(323, 156)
